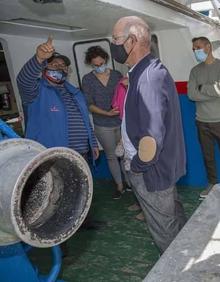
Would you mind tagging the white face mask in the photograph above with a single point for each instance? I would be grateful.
(200, 55)
(100, 69)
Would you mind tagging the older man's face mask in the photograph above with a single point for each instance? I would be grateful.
(119, 53)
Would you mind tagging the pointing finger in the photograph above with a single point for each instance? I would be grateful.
(50, 40)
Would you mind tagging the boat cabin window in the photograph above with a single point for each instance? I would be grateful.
(79, 50)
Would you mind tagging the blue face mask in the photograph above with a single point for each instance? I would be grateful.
(200, 55)
(56, 76)
(100, 69)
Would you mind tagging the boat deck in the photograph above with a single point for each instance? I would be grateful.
(122, 251)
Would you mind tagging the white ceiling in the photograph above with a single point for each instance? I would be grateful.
(94, 17)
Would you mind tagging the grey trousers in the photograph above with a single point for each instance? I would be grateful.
(109, 137)
(163, 211)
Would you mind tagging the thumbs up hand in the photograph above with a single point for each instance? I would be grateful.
(45, 51)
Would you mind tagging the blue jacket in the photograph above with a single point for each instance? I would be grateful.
(152, 109)
(46, 117)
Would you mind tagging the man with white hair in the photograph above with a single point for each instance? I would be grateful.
(151, 130)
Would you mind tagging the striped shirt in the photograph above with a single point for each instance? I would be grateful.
(28, 81)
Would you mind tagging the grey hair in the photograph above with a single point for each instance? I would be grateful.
(138, 27)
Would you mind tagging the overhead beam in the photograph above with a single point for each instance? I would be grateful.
(183, 9)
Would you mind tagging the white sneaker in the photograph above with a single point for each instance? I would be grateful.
(205, 193)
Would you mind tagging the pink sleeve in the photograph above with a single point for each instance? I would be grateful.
(119, 98)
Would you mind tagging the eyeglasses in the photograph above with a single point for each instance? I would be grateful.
(117, 38)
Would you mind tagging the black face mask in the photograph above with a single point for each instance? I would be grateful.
(119, 53)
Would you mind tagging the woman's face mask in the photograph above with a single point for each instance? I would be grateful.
(55, 76)
(200, 55)
(100, 69)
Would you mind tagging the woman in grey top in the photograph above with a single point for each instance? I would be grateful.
(99, 86)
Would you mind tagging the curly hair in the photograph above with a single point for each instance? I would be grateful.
(94, 52)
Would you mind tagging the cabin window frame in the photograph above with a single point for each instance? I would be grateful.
(86, 42)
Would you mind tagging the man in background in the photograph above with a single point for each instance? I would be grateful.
(204, 89)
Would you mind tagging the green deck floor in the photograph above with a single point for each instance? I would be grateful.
(122, 251)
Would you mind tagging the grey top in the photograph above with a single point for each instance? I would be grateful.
(101, 96)
(204, 89)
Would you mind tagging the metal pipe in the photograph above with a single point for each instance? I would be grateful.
(45, 194)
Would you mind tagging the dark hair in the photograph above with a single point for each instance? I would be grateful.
(201, 38)
(94, 52)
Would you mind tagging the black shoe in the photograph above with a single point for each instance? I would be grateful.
(117, 195)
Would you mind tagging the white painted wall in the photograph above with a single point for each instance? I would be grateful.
(174, 46)
(19, 49)
(176, 52)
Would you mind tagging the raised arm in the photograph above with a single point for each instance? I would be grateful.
(28, 77)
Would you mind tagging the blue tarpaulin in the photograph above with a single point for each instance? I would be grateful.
(6, 131)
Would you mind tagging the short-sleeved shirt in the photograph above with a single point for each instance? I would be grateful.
(101, 96)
